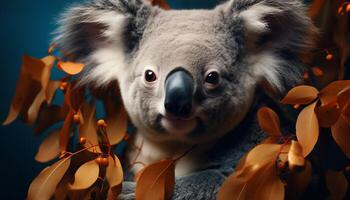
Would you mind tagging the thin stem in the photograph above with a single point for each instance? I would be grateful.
(185, 153)
(82, 150)
(137, 155)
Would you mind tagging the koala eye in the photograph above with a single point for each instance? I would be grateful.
(150, 76)
(212, 79)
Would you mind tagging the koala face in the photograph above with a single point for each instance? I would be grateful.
(187, 76)
(185, 81)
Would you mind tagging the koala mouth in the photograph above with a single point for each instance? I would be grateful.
(178, 125)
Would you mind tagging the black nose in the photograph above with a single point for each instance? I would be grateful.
(178, 93)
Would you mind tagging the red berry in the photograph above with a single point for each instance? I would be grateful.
(296, 106)
(105, 161)
(76, 118)
(317, 71)
(63, 85)
(102, 123)
(82, 140)
(329, 57)
(340, 10)
(102, 161)
(348, 8)
(99, 160)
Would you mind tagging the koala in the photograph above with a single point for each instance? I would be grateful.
(189, 78)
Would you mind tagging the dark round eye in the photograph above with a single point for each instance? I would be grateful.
(213, 78)
(150, 76)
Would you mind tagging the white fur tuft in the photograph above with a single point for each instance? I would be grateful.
(110, 64)
(267, 65)
(253, 17)
(114, 22)
(109, 60)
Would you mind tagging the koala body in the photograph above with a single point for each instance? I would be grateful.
(189, 77)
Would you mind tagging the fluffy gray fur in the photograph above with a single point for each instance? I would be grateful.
(246, 41)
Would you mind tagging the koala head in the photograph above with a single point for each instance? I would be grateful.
(187, 75)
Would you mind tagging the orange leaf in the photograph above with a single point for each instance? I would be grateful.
(269, 121)
(49, 115)
(86, 175)
(330, 92)
(51, 90)
(50, 148)
(35, 68)
(161, 3)
(117, 121)
(42, 96)
(49, 60)
(343, 97)
(341, 134)
(77, 96)
(295, 156)
(346, 111)
(68, 96)
(45, 76)
(33, 110)
(264, 184)
(88, 130)
(44, 185)
(66, 131)
(328, 114)
(336, 184)
(71, 68)
(74, 96)
(301, 95)
(257, 158)
(114, 173)
(307, 129)
(13, 114)
(283, 157)
(315, 8)
(31, 87)
(233, 188)
(138, 174)
(28, 86)
(157, 181)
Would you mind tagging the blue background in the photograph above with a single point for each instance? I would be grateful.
(26, 28)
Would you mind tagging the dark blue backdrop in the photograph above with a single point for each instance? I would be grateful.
(25, 29)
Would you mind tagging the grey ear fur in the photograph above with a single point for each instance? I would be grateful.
(275, 23)
(276, 32)
(95, 30)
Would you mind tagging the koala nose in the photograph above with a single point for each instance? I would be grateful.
(179, 86)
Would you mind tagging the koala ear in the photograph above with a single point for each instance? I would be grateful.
(101, 33)
(274, 24)
(275, 32)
